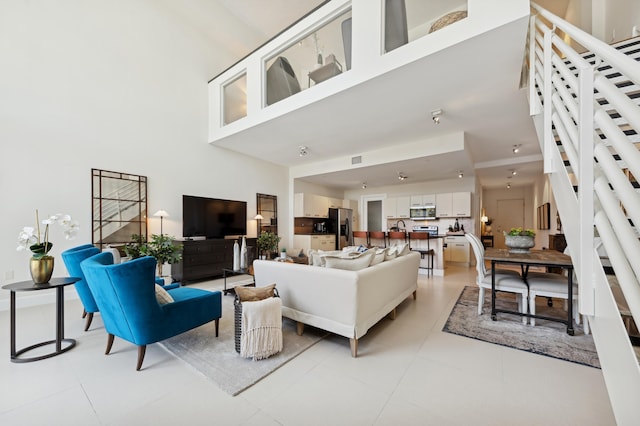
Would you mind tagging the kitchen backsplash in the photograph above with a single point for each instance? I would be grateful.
(442, 224)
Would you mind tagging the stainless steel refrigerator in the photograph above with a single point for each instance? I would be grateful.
(341, 221)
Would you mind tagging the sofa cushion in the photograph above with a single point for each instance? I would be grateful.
(350, 263)
(378, 257)
(162, 296)
(316, 257)
(254, 294)
(402, 249)
(391, 253)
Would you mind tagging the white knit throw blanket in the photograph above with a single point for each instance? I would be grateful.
(261, 328)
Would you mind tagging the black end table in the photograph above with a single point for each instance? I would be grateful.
(227, 272)
(59, 284)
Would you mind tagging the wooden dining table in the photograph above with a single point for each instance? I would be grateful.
(545, 258)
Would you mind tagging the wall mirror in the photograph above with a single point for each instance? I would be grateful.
(267, 207)
(119, 207)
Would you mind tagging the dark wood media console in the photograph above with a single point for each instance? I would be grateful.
(204, 259)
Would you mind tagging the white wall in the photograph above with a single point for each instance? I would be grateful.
(613, 20)
(118, 85)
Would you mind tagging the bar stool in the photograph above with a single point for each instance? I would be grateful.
(377, 235)
(429, 252)
(361, 234)
(397, 235)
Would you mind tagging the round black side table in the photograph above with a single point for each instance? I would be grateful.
(59, 284)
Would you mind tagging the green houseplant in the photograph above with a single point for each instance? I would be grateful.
(519, 240)
(267, 243)
(162, 247)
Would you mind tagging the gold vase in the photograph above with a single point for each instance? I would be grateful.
(41, 269)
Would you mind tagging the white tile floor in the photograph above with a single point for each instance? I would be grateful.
(408, 372)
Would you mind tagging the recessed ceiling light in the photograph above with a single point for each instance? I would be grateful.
(303, 151)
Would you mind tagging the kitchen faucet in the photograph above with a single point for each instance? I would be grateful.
(404, 225)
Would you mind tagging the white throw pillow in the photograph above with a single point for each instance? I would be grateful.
(402, 249)
(351, 263)
(378, 257)
(162, 296)
(319, 255)
(391, 253)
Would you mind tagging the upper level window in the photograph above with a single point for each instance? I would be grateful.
(408, 20)
(317, 57)
(234, 99)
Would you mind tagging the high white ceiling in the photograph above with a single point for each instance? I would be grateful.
(475, 83)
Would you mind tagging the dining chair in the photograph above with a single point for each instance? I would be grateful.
(399, 236)
(508, 281)
(553, 285)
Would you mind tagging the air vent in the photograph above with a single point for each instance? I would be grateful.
(356, 160)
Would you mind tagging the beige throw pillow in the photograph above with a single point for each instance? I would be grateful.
(253, 294)
(391, 253)
(350, 263)
(378, 257)
(402, 249)
(162, 296)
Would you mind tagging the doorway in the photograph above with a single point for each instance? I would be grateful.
(374, 215)
(510, 215)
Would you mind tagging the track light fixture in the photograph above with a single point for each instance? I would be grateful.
(364, 185)
(401, 176)
(513, 172)
(460, 174)
(509, 186)
(303, 151)
(435, 116)
(516, 148)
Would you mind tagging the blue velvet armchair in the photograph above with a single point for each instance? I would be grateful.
(72, 259)
(126, 296)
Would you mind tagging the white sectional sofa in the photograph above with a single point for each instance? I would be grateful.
(344, 302)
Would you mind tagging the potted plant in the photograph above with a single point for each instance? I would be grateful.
(267, 243)
(520, 240)
(133, 248)
(163, 248)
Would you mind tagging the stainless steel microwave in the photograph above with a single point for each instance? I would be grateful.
(422, 212)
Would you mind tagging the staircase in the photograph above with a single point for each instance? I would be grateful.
(586, 113)
(117, 209)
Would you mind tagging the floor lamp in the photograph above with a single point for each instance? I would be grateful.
(162, 214)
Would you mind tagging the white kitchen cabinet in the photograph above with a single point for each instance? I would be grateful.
(389, 208)
(444, 205)
(423, 200)
(334, 203)
(457, 249)
(310, 205)
(402, 207)
(396, 207)
(453, 204)
(461, 204)
(315, 242)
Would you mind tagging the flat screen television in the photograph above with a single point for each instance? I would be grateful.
(213, 217)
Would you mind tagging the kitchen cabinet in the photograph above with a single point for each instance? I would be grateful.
(396, 207)
(457, 249)
(334, 203)
(453, 204)
(423, 200)
(444, 206)
(315, 242)
(310, 205)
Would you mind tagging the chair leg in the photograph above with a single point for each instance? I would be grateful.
(217, 325)
(585, 324)
(480, 300)
(89, 319)
(141, 351)
(109, 343)
(532, 309)
(354, 347)
(84, 313)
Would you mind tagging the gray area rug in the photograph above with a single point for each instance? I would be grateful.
(545, 338)
(217, 359)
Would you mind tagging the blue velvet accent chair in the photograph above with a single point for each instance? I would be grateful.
(126, 296)
(72, 259)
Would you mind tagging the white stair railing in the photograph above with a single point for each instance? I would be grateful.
(585, 107)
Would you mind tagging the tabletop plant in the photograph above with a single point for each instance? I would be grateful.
(521, 232)
(268, 242)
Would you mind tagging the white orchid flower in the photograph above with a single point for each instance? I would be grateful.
(50, 220)
(26, 238)
(64, 219)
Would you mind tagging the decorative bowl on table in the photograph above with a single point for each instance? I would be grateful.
(519, 240)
